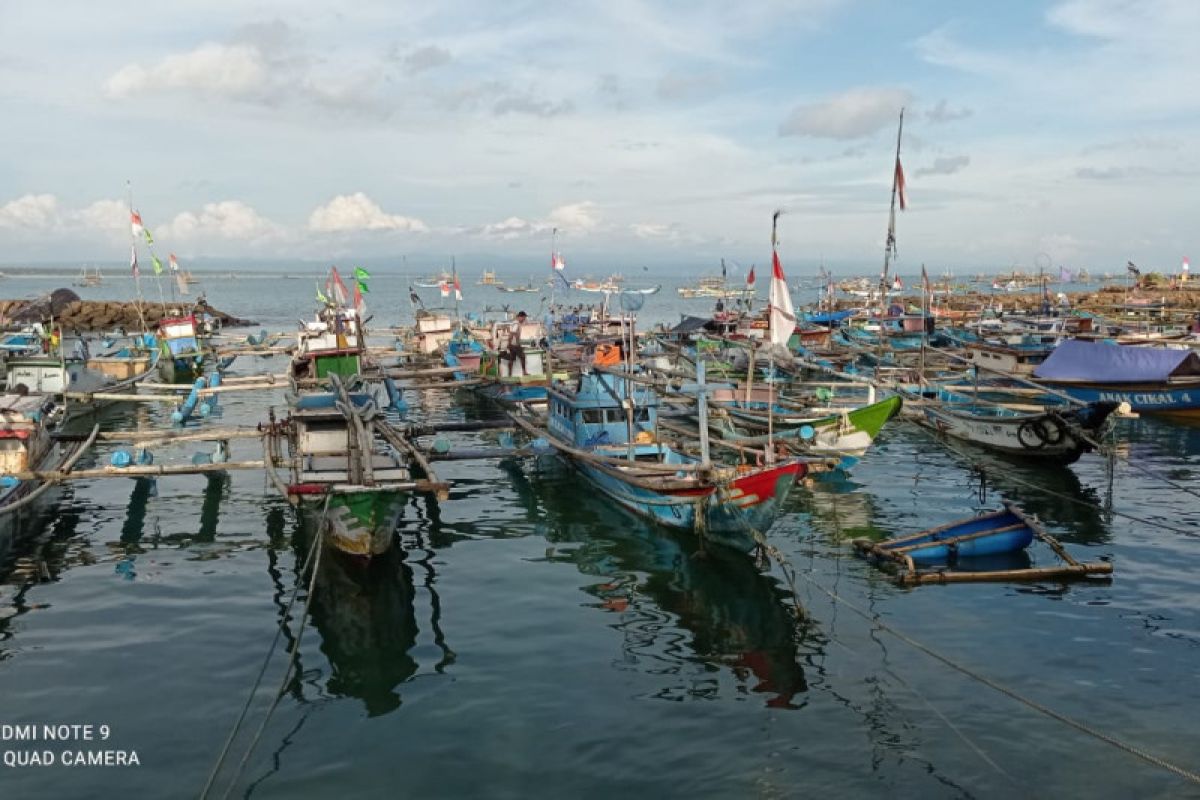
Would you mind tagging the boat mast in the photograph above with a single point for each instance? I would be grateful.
(889, 249)
(137, 276)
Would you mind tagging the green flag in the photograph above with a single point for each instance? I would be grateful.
(362, 287)
(157, 263)
(149, 238)
(321, 298)
(361, 274)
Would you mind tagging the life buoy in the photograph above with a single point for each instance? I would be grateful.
(1052, 429)
(1030, 435)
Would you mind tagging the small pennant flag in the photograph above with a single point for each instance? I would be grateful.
(900, 188)
(925, 279)
(173, 263)
(361, 274)
(897, 284)
(135, 224)
(360, 305)
(750, 277)
(149, 238)
(157, 263)
(444, 288)
(556, 261)
(1129, 265)
(133, 265)
(457, 288)
(782, 318)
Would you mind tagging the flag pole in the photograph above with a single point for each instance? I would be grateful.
(137, 277)
(889, 249)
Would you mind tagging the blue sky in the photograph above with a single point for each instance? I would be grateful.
(646, 133)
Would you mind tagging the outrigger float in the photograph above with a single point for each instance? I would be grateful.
(945, 554)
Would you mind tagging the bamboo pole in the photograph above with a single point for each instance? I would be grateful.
(135, 471)
(1000, 576)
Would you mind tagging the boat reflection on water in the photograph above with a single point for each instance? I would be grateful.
(366, 615)
(1075, 513)
(738, 618)
(841, 509)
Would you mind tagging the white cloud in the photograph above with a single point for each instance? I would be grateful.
(111, 216)
(511, 228)
(230, 70)
(945, 165)
(849, 115)
(575, 217)
(357, 212)
(228, 219)
(36, 211)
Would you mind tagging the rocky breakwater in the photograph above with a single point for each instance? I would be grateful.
(85, 316)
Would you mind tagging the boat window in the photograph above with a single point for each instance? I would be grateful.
(593, 415)
(614, 415)
(641, 414)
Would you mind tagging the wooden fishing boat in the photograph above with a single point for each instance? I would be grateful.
(332, 344)
(1150, 380)
(824, 432)
(27, 444)
(515, 377)
(52, 373)
(343, 460)
(958, 551)
(89, 277)
(181, 359)
(1059, 435)
(606, 426)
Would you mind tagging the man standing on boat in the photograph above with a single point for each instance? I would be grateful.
(514, 351)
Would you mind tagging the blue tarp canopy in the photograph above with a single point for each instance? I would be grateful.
(1096, 362)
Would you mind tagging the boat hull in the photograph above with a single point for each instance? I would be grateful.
(728, 515)
(361, 524)
(1142, 398)
(1051, 437)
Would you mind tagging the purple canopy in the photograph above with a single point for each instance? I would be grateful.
(1098, 362)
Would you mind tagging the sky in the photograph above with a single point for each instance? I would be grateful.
(625, 132)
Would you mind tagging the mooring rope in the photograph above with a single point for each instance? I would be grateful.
(1011, 693)
(1028, 484)
(1145, 470)
(314, 552)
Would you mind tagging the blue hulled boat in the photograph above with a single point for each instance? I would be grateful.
(1151, 380)
(606, 426)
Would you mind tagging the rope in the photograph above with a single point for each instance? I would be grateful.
(1146, 470)
(314, 551)
(1052, 493)
(1010, 693)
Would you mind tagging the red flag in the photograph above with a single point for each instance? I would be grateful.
(750, 277)
(360, 305)
(900, 185)
(457, 289)
(135, 224)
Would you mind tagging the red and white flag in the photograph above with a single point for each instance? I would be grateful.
(360, 305)
(335, 288)
(457, 288)
(556, 261)
(1187, 265)
(444, 288)
(903, 195)
(173, 262)
(779, 300)
(133, 265)
(897, 284)
(750, 277)
(135, 224)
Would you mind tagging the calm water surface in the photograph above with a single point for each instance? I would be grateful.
(529, 640)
